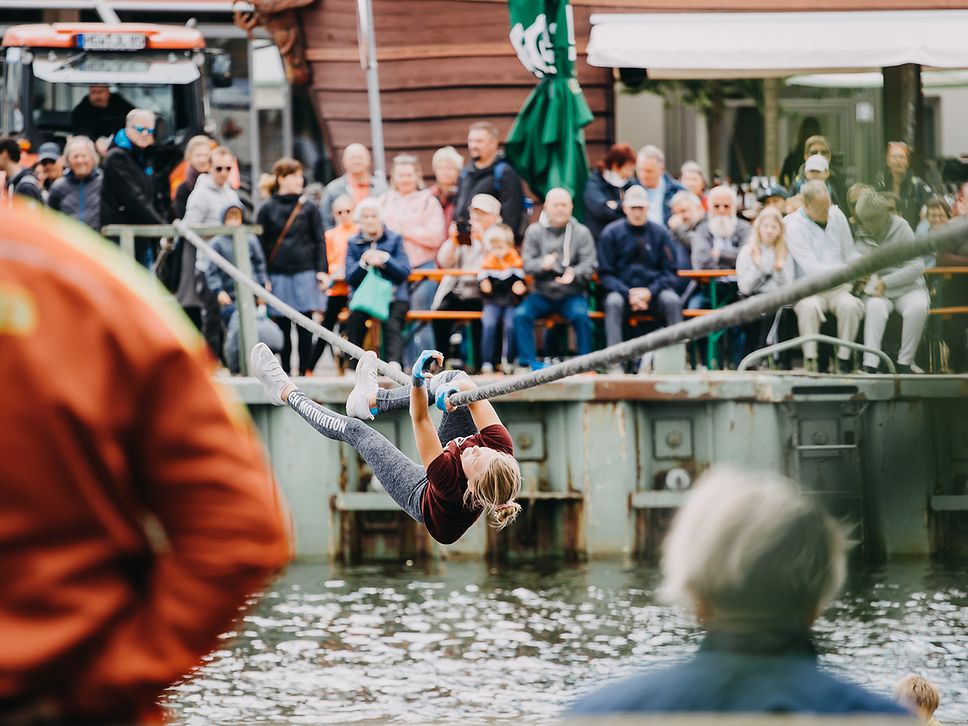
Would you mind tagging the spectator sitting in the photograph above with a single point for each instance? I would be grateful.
(465, 251)
(377, 247)
(337, 243)
(128, 189)
(78, 192)
(764, 265)
(814, 146)
(920, 696)
(357, 181)
(637, 268)
(819, 240)
(773, 196)
(502, 284)
(446, 165)
(100, 114)
(900, 287)
(757, 561)
(687, 213)
(693, 180)
(561, 258)
(911, 190)
(651, 174)
(198, 159)
(20, 179)
(222, 286)
(490, 173)
(606, 187)
(49, 166)
(716, 242)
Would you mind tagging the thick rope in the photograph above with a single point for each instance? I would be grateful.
(290, 312)
(735, 314)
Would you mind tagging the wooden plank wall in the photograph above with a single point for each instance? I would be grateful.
(443, 64)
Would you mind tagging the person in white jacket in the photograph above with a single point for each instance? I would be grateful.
(819, 239)
(901, 287)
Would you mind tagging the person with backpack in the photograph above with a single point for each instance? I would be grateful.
(490, 173)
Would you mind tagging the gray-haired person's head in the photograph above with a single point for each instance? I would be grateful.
(874, 210)
(369, 215)
(749, 548)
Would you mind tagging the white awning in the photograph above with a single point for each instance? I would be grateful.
(763, 45)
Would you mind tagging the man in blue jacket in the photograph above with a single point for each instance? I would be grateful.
(637, 267)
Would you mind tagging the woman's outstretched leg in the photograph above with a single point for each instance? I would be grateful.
(403, 480)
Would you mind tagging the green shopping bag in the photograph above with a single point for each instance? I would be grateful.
(373, 296)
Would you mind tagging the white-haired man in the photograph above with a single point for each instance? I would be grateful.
(78, 192)
(757, 561)
(819, 240)
(650, 170)
(715, 243)
(357, 181)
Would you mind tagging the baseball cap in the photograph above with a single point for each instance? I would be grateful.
(486, 203)
(775, 190)
(48, 151)
(636, 197)
(816, 163)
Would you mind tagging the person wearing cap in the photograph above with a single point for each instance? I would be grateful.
(20, 178)
(637, 267)
(774, 195)
(49, 166)
(818, 145)
(78, 192)
(899, 288)
(464, 253)
(560, 256)
(911, 190)
(819, 241)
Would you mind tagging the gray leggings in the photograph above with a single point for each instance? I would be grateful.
(403, 480)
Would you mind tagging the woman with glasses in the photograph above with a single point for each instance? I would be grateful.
(814, 146)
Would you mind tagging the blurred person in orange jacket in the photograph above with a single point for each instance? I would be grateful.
(138, 510)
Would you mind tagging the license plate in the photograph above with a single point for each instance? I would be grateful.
(111, 41)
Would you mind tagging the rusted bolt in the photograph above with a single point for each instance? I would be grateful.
(674, 439)
(525, 441)
(820, 438)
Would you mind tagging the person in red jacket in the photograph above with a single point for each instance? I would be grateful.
(138, 511)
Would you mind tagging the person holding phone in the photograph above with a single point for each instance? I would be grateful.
(464, 249)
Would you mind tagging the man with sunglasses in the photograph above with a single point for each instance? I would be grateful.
(128, 193)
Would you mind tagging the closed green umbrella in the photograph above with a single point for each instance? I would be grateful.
(546, 145)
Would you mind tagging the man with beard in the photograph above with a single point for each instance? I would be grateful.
(490, 173)
(716, 241)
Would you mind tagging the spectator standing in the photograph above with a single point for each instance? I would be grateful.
(78, 192)
(198, 161)
(757, 561)
(637, 268)
(139, 512)
(358, 181)
(464, 250)
(100, 114)
(606, 187)
(919, 696)
(911, 191)
(900, 287)
(651, 172)
(21, 180)
(809, 126)
(490, 173)
(128, 189)
(337, 242)
(817, 145)
(819, 240)
(693, 180)
(502, 285)
(377, 247)
(292, 241)
(560, 256)
(446, 164)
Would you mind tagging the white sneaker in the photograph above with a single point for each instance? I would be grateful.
(487, 369)
(270, 374)
(358, 402)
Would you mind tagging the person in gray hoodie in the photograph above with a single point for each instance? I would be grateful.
(901, 287)
(560, 255)
(78, 192)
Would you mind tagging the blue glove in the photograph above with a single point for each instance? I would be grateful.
(442, 393)
(423, 364)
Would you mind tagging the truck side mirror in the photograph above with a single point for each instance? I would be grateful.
(220, 70)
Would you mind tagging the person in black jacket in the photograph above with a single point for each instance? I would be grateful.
(128, 192)
(78, 192)
(606, 187)
(911, 190)
(295, 250)
(637, 268)
(20, 179)
(490, 173)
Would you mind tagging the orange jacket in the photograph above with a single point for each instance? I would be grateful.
(138, 510)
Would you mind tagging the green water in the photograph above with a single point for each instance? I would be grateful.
(462, 642)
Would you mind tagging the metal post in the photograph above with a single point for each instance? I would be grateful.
(771, 122)
(367, 45)
(127, 242)
(245, 302)
(254, 146)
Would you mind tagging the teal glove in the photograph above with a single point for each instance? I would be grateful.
(423, 365)
(442, 393)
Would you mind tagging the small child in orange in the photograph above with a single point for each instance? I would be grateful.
(502, 286)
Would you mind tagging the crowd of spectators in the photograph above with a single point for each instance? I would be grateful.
(641, 229)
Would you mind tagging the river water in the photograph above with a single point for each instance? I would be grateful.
(463, 642)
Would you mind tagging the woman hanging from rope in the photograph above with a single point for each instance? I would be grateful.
(468, 466)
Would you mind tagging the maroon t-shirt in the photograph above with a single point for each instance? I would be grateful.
(443, 508)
